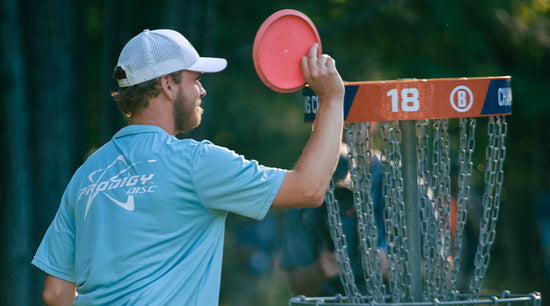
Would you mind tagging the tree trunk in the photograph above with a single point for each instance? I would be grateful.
(16, 196)
(57, 73)
(115, 34)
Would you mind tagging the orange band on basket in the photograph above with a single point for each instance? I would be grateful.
(420, 99)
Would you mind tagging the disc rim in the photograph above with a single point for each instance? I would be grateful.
(260, 43)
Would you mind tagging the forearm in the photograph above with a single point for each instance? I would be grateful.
(58, 292)
(306, 184)
(320, 155)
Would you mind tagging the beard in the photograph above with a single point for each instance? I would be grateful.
(187, 116)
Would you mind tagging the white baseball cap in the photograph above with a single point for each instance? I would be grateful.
(152, 54)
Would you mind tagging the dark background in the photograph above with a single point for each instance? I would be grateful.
(56, 60)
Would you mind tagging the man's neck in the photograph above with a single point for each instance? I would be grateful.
(158, 112)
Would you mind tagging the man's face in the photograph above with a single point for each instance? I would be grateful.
(187, 110)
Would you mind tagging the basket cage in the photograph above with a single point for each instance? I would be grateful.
(435, 186)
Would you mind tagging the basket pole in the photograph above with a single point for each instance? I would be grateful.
(412, 210)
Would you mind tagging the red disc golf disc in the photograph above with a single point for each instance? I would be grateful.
(281, 41)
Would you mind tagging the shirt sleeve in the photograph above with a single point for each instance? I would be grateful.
(229, 182)
(55, 255)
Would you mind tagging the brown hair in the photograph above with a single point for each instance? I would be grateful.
(132, 99)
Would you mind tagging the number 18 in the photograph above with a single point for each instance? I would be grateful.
(409, 99)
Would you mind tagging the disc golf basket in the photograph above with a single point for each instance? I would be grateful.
(424, 128)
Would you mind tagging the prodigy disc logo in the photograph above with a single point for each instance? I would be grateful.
(105, 181)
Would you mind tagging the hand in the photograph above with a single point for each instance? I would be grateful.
(321, 75)
(383, 263)
(329, 265)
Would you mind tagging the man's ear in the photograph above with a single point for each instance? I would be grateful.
(168, 86)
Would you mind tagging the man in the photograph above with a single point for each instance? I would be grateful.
(142, 220)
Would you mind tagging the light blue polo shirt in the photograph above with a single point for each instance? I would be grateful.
(142, 220)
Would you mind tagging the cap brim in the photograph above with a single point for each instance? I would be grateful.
(209, 64)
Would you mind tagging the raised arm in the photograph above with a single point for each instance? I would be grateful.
(306, 184)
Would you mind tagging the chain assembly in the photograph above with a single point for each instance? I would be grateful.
(440, 206)
(465, 164)
(495, 155)
(358, 139)
(340, 246)
(392, 181)
(444, 197)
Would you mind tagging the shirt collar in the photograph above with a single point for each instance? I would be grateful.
(138, 129)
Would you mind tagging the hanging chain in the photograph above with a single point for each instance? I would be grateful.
(358, 138)
(341, 248)
(435, 207)
(427, 214)
(495, 155)
(467, 147)
(434, 196)
(437, 243)
(442, 197)
(397, 253)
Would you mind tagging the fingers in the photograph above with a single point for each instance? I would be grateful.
(313, 65)
(322, 61)
(309, 66)
(313, 50)
(320, 73)
(305, 67)
(330, 64)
